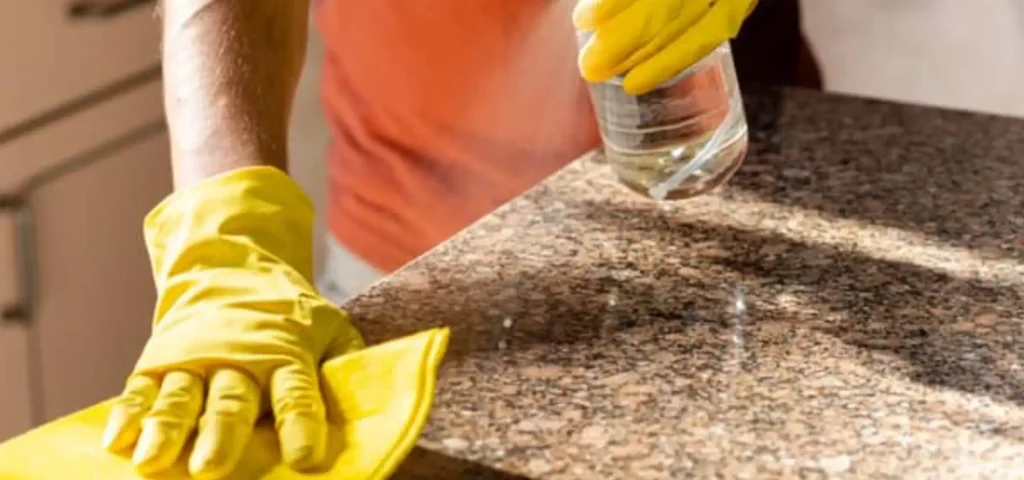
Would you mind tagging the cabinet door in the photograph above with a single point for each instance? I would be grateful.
(95, 291)
(51, 55)
(15, 397)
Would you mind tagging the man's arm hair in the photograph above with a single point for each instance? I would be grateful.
(230, 72)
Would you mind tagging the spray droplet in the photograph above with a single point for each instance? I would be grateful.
(742, 356)
(739, 303)
(503, 344)
(507, 322)
(613, 300)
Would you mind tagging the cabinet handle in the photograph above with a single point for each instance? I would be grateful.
(97, 9)
(24, 254)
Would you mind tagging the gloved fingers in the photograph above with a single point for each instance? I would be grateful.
(232, 408)
(299, 415)
(720, 24)
(169, 422)
(589, 14)
(611, 43)
(125, 421)
(635, 35)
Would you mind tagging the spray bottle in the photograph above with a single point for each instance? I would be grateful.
(680, 140)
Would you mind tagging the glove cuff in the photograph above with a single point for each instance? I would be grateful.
(236, 219)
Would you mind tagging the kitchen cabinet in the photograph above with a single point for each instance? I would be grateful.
(77, 321)
(83, 157)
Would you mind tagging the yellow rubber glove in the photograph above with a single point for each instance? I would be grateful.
(650, 41)
(238, 328)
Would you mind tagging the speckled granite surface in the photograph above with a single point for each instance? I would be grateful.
(850, 306)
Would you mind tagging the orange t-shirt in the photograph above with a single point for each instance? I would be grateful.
(440, 111)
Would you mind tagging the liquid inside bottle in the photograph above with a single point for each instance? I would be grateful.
(680, 140)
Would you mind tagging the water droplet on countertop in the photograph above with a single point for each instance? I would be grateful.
(795, 173)
(836, 464)
(742, 355)
(455, 443)
(739, 303)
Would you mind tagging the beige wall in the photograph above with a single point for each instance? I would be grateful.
(966, 54)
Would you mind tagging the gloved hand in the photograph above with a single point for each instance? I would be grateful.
(238, 328)
(650, 41)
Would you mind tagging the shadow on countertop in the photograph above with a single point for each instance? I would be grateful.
(923, 169)
(424, 464)
(615, 266)
(962, 334)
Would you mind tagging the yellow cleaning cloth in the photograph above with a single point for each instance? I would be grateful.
(378, 400)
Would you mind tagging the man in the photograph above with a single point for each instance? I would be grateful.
(440, 111)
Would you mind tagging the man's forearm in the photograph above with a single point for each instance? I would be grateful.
(230, 72)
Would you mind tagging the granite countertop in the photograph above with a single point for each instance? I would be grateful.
(850, 306)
